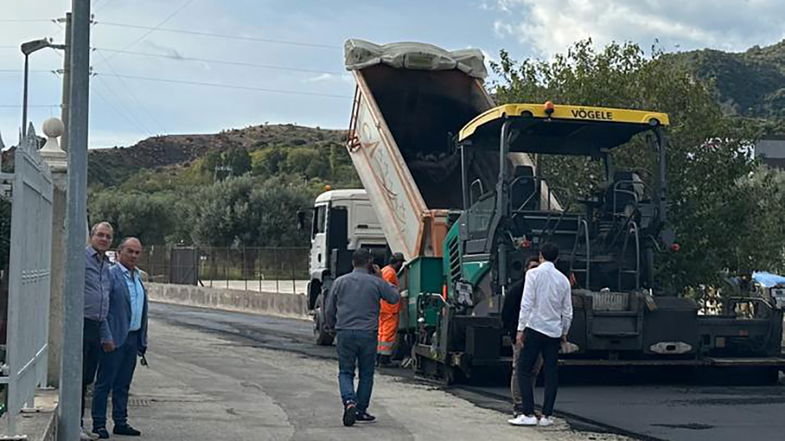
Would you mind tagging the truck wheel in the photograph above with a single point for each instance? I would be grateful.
(321, 336)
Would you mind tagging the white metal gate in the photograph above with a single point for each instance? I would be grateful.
(29, 287)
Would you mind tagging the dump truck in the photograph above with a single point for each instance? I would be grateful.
(455, 184)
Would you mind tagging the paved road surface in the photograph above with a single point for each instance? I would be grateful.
(208, 385)
(651, 412)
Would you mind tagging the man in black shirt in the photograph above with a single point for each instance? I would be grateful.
(512, 307)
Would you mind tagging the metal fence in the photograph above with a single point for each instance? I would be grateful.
(245, 268)
(25, 364)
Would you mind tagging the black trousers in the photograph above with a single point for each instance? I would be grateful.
(537, 343)
(91, 353)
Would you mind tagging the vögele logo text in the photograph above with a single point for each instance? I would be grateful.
(592, 114)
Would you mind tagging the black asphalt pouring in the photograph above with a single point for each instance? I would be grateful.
(644, 411)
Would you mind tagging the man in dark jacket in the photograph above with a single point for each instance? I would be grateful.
(353, 311)
(510, 312)
(124, 337)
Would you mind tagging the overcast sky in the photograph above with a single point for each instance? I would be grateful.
(139, 92)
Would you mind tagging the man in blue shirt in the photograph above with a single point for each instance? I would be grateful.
(124, 337)
(96, 303)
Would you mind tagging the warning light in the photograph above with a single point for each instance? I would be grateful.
(548, 107)
(328, 187)
(675, 248)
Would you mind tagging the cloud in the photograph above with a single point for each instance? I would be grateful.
(321, 77)
(325, 77)
(551, 27)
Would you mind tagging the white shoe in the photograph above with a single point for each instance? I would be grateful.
(85, 436)
(523, 420)
(545, 422)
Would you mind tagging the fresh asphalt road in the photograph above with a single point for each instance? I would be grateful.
(664, 412)
(208, 385)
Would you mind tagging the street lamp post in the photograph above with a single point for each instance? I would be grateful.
(28, 48)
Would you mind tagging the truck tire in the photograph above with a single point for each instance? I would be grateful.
(321, 336)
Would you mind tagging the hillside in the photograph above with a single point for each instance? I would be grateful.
(750, 83)
(112, 166)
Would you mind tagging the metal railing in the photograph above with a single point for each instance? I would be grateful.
(282, 270)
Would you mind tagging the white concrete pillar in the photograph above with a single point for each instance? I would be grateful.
(56, 159)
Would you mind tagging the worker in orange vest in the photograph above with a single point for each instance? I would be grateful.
(388, 313)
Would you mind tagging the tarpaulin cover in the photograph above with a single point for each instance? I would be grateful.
(768, 280)
(360, 54)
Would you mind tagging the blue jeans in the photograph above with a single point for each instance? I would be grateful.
(356, 349)
(115, 372)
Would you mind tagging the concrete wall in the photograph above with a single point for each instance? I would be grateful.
(279, 304)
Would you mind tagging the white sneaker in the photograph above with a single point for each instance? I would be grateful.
(85, 436)
(523, 420)
(545, 422)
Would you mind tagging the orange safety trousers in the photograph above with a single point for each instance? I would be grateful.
(388, 316)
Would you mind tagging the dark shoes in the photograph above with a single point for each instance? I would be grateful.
(352, 415)
(365, 417)
(349, 414)
(125, 429)
(383, 361)
(101, 432)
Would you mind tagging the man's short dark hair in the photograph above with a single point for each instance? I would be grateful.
(549, 251)
(361, 257)
(397, 257)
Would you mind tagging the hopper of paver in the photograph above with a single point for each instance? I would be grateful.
(411, 100)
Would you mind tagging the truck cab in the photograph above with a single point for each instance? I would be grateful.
(343, 221)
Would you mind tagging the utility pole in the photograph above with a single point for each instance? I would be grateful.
(24, 101)
(66, 83)
(69, 408)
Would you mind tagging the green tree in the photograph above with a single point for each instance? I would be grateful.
(224, 215)
(707, 153)
(759, 239)
(239, 160)
(277, 203)
(243, 212)
(211, 161)
(151, 218)
(308, 163)
(269, 162)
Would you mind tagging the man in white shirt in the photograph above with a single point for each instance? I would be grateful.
(546, 313)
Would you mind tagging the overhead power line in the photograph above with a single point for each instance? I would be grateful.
(156, 27)
(212, 61)
(24, 20)
(130, 93)
(30, 71)
(16, 106)
(225, 36)
(125, 113)
(226, 86)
